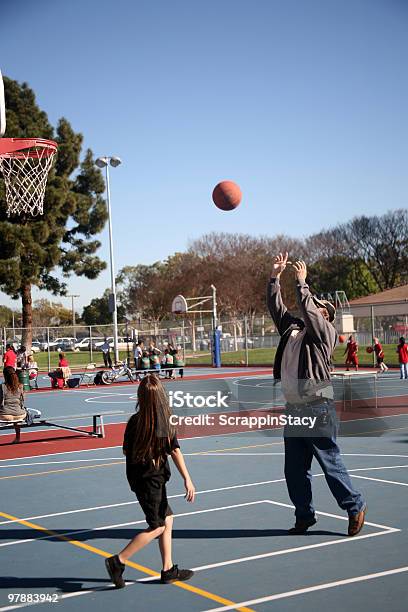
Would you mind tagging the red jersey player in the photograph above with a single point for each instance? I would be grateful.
(351, 350)
(378, 349)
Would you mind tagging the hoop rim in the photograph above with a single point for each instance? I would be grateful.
(16, 147)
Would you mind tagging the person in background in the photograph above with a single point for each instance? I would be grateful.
(179, 363)
(105, 348)
(145, 361)
(31, 365)
(10, 357)
(63, 361)
(154, 354)
(167, 363)
(378, 349)
(21, 358)
(138, 354)
(12, 400)
(402, 350)
(351, 350)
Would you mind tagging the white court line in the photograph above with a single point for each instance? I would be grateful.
(120, 504)
(128, 524)
(195, 454)
(393, 482)
(277, 553)
(229, 488)
(281, 504)
(330, 515)
(317, 587)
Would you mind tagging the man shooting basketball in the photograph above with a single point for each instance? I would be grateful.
(302, 364)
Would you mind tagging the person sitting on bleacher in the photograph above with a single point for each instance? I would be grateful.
(32, 367)
(145, 361)
(179, 363)
(61, 374)
(154, 354)
(167, 363)
(12, 401)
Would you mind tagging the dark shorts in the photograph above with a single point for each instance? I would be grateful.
(380, 360)
(152, 497)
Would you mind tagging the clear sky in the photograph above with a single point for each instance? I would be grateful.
(302, 102)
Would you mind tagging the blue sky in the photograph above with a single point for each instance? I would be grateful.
(302, 103)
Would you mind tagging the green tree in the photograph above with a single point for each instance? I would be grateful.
(97, 312)
(35, 248)
(6, 316)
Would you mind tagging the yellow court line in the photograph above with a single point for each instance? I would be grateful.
(82, 467)
(221, 450)
(140, 568)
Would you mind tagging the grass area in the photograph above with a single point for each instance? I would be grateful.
(267, 356)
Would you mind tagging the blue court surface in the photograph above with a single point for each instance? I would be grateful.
(62, 512)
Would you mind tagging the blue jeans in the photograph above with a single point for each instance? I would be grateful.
(299, 453)
(404, 370)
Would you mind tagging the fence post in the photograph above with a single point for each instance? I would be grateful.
(90, 344)
(48, 348)
(246, 340)
(373, 332)
(184, 342)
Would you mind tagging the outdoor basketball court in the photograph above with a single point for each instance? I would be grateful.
(66, 506)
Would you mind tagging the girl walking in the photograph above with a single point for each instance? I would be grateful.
(149, 439)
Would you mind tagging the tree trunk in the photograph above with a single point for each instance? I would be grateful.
(27, 331)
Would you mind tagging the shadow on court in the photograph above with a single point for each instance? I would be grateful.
(178, 534)
(66, 585)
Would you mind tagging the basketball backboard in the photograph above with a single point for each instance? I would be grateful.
(2, 108)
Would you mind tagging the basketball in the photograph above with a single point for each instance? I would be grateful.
(227, 195)
(342, 339)
(369, 349)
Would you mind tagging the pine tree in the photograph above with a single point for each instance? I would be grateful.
(34, 249)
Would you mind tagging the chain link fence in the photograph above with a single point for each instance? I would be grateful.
(244, 341)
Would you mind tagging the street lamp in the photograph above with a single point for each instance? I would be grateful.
(103, 162)
(73, 312)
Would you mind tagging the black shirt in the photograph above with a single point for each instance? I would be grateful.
(147, 470)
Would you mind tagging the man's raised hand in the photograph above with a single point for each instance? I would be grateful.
(279, 264)
(300, 271)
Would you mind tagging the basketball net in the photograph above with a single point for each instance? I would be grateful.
(25, 172)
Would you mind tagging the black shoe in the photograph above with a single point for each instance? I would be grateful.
(174, 574)
(301, 527)
(115, 570)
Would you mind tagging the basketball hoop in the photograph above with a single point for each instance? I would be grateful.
(25, 164)
(179, 305)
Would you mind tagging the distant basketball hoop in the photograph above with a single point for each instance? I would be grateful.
(179, 305)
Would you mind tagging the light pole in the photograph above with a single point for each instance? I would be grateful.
(73, 312)
(103, 162)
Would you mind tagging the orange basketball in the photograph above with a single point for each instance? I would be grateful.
(342, 339)
(227, 195)
(369, 349)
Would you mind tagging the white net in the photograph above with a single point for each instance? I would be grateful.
(25, 176)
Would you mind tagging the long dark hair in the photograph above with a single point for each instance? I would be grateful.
(149, 432)
(11, 380)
